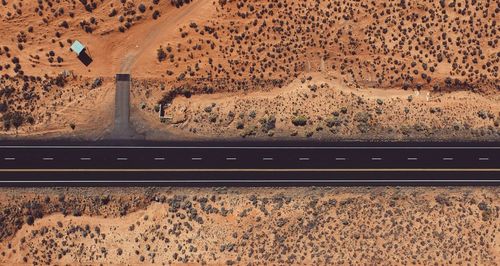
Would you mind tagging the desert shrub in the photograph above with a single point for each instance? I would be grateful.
(362, 117)
(363, 127)
(7, 91)
(170, 95)
(248, 132)
(142, 8)
(252, 114)
(30, 219)
(112, 12)
(299, 120)
(17, 119)
(186, 92)
(64, 24)
(482, 114)
(156, 14)
(3, 107)
(179, 3)
(181, 77)
(212, 118)
(60, 80)
(160, 54)
(334, 121)
(6, 123)
(268, 124)
(30, 120)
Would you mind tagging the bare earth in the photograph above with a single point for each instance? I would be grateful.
(383, 70)
(249, 226)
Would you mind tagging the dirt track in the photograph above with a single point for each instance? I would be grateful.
(445, 66)
(148, 37)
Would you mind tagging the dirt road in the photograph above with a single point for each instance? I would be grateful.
(150, 36)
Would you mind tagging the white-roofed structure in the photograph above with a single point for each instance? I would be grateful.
(77, 47)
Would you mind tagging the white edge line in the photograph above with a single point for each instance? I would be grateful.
(250, 181)
(240, 147)
(160, 170)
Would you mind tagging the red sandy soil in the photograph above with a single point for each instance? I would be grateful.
(250, 53)
(250, 226)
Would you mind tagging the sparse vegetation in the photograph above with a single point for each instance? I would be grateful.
(313, 53)
(255, 225)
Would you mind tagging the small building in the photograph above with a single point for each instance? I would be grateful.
(77, 47)
(82, 52)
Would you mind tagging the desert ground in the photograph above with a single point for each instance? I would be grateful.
(395, 70)
(250, 226)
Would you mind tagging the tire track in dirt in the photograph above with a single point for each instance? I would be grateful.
(170, 22)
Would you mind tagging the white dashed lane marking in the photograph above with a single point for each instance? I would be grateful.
(485, 159)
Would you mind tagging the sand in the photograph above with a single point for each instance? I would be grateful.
(262, 56)
(214, 226)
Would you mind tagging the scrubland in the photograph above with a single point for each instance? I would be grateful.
(395, 70)
(248, 226)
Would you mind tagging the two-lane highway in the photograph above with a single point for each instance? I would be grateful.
(249, 163)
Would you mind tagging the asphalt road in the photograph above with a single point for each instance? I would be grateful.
(122, 129)
(251, 163)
